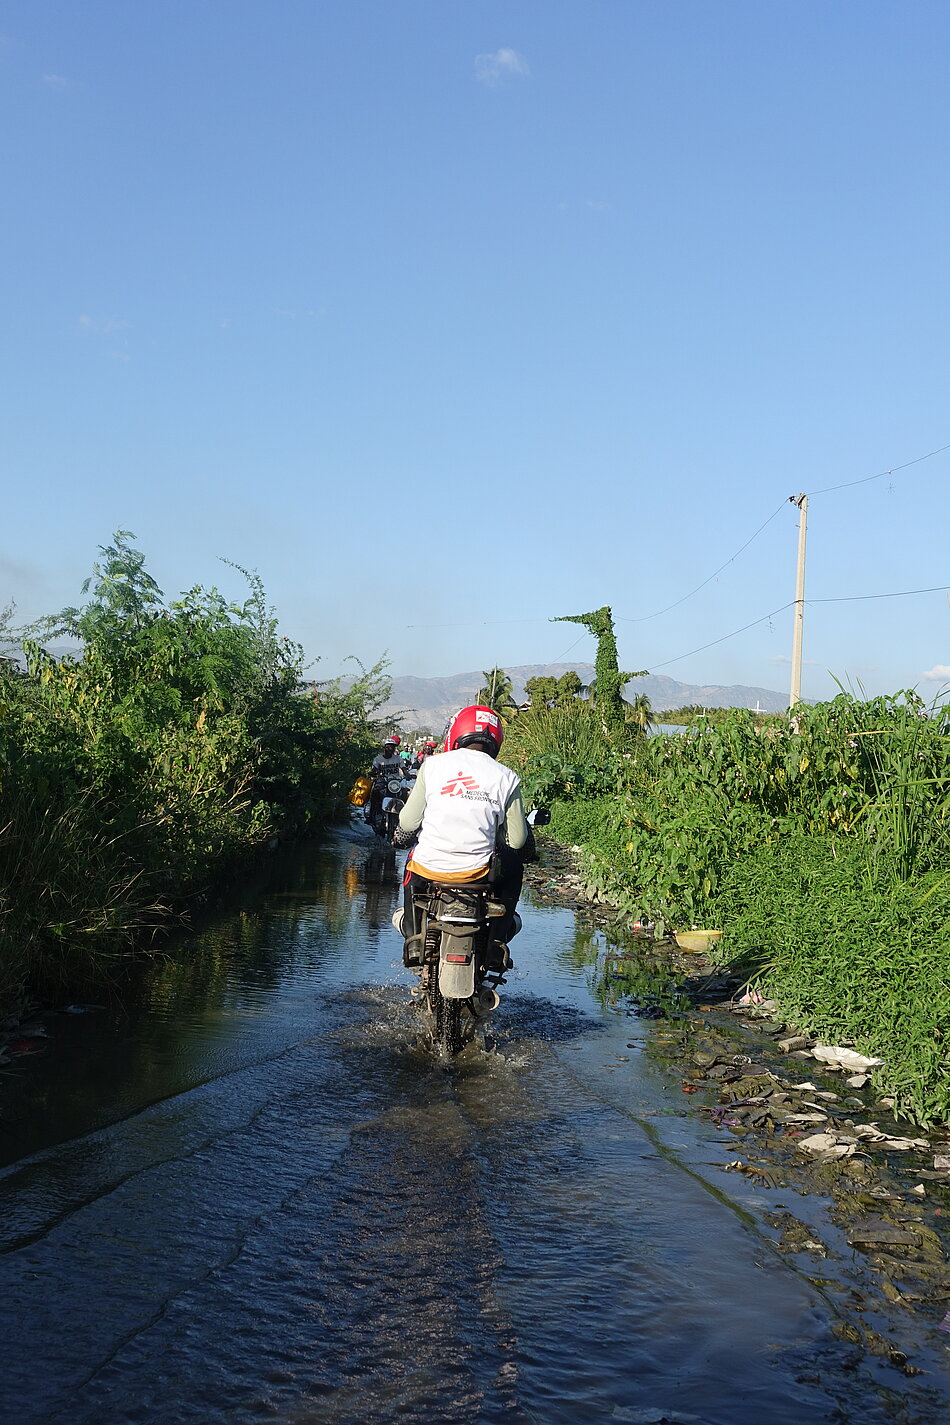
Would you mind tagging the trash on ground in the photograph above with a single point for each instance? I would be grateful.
(754, 997)
(885, 1140)
(838, 1057)
(881, 1234)
(827, 1144)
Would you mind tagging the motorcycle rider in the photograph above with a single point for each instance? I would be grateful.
(386, 763)
(426, 750)
(466, 807)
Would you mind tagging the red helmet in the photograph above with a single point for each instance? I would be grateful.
(473, 727)
(393, 738)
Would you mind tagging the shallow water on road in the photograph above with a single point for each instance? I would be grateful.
(254, 1195)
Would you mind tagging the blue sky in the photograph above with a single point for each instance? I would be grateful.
(450, 318)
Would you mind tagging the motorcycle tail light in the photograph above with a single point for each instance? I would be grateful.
(458, 959)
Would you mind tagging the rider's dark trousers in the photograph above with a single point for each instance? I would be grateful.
(506, 887)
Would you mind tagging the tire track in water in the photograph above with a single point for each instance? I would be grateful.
(39, 1193)
(366, 1295)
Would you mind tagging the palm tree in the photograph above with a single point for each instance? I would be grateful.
(496, 692)
(640, 713)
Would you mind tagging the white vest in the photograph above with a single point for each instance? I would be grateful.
(466, 796)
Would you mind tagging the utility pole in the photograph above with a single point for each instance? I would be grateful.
(795, 690)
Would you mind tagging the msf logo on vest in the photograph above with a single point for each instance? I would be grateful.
(460, 786)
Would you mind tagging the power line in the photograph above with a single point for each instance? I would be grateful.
(680, 656)
(479, 622)
(584, 635)
(645, 617)
(900, 594)
(847, 599)
(881, 473)
(826, 490)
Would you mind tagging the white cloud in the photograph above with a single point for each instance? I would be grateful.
(939, 673)
(56, 81)
(496, 68)
(102, 326)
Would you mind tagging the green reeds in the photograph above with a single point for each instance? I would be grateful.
(70, 896)
(821, 847)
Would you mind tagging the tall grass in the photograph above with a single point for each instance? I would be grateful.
(71, 895)
(561, 752)
(821, 847)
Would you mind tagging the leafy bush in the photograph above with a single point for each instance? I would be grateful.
(820, 846)
(175, 739)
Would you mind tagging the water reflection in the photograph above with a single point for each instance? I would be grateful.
(628, 972)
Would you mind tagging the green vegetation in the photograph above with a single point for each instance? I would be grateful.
(496, 692)
(819, 844)
(552, 692)
(607, 689)
(138, 769)
(693, 715)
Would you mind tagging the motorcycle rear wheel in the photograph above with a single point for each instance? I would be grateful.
(448, 1032)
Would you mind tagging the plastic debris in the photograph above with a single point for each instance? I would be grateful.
(840, 1058)
(754, 997)
(882, 1234)
(871, 1132)
(826, 1144)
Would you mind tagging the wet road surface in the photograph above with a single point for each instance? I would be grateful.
(252, 1194)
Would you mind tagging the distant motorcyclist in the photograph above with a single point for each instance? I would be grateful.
(467, 810)
(386, 763)
(426, 750)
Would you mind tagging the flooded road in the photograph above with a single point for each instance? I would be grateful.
(253, 1195)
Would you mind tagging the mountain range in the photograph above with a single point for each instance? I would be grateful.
(427, 703)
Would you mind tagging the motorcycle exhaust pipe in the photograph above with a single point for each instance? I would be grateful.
(486, 1001)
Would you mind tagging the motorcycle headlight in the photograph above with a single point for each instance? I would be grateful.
(393, 786)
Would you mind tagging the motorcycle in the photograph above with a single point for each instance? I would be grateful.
(461, 959)
(460, 963)
(390, 793)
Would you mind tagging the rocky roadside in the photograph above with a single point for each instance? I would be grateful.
(800, 1118)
